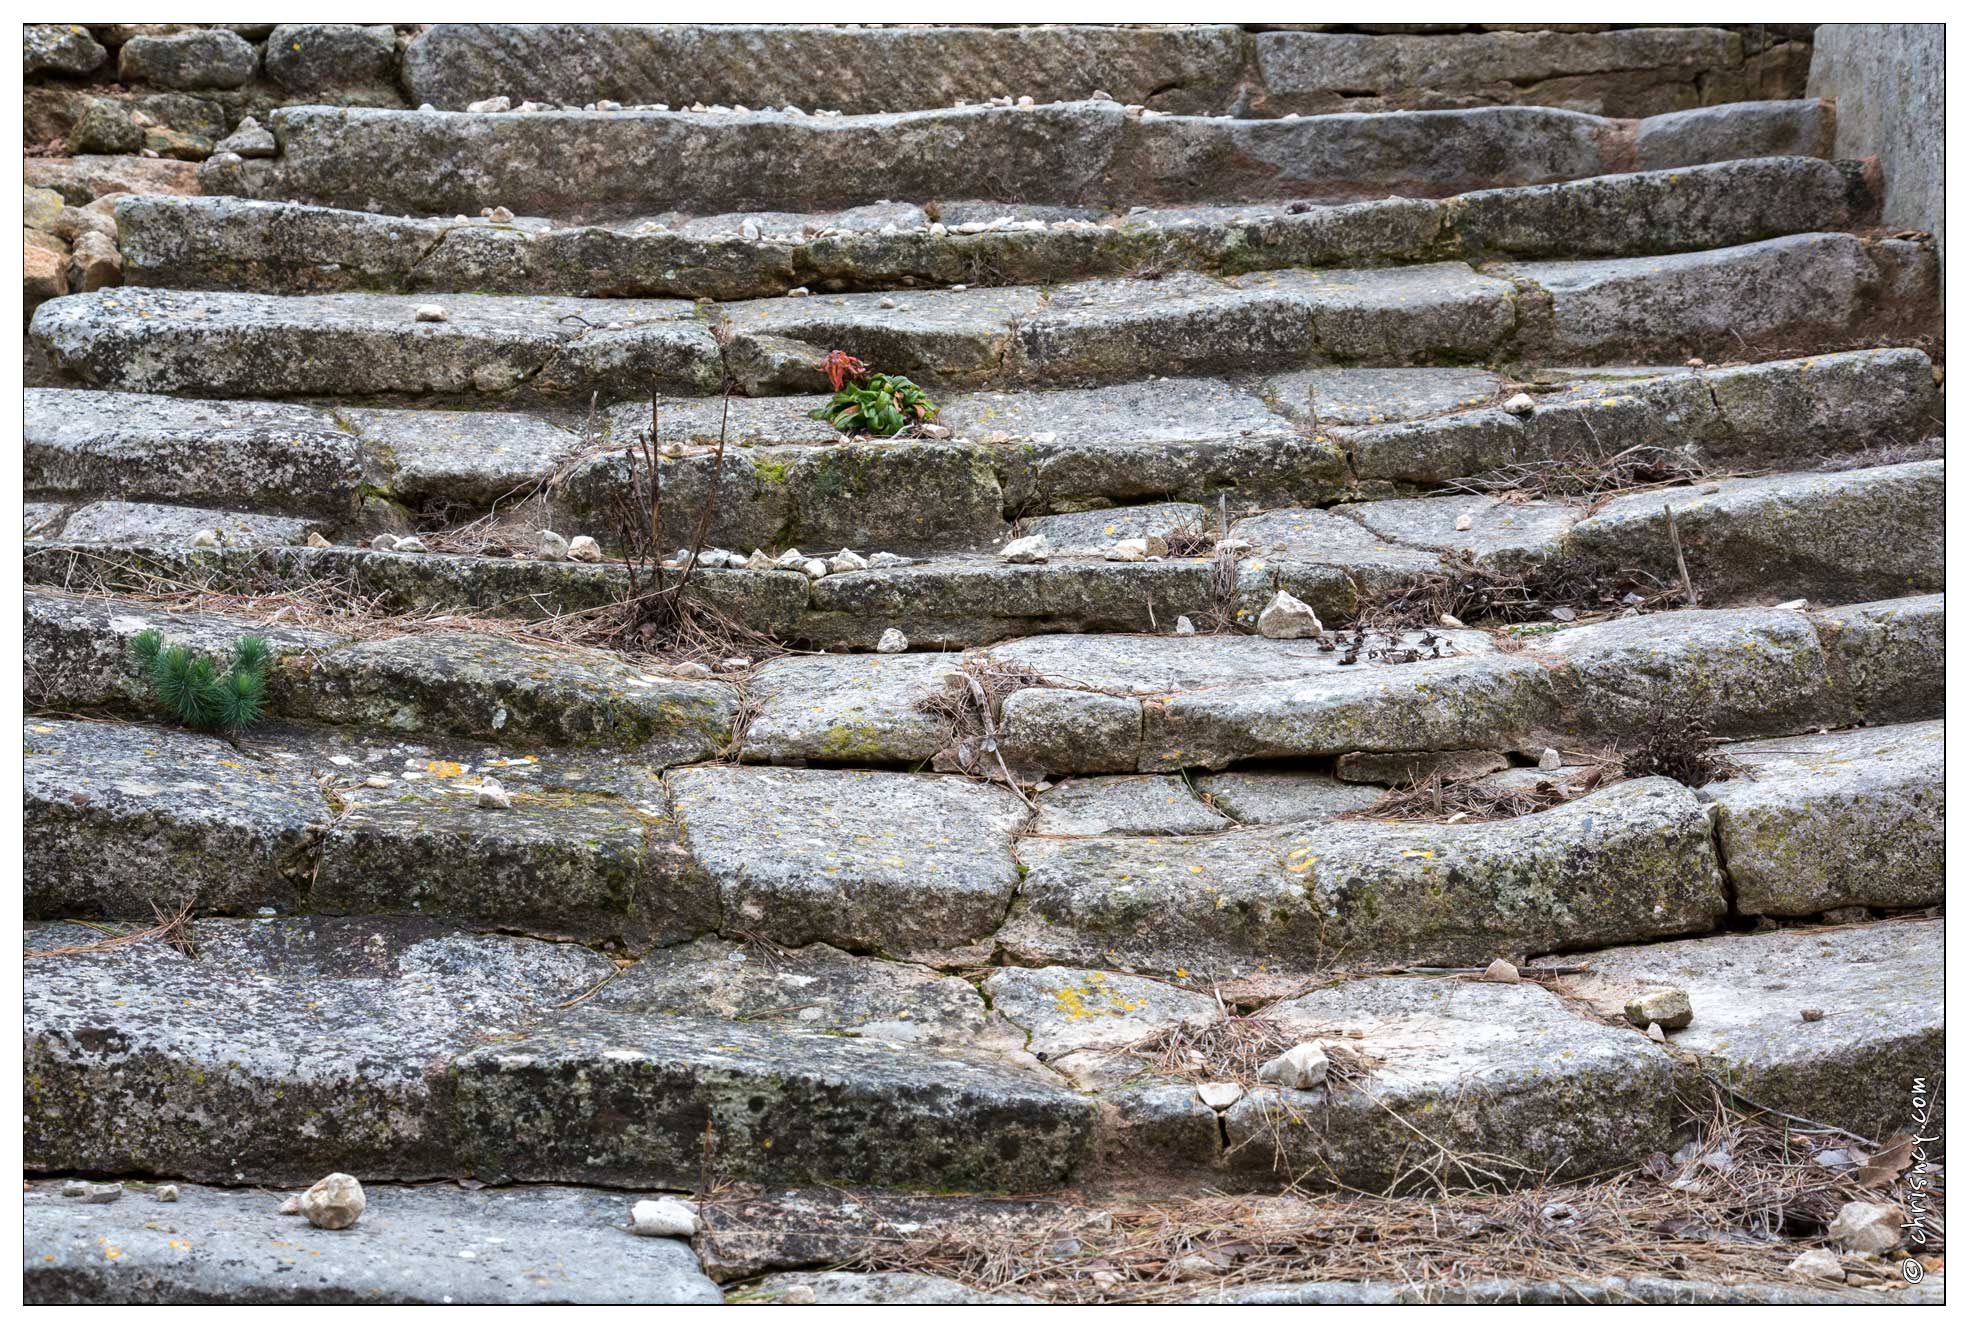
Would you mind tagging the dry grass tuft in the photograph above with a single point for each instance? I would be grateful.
(1190, 541)
(173, 928)
(1589, 475)
(1735, 1207)
(1676, 743)
(1432, 798)
(1473, 593)
(1234, 1047)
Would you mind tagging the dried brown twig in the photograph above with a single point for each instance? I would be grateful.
(173, 928)
(1433, 798)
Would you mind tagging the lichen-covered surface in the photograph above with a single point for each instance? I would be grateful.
(905, 879)
(1830, 821)
(289, 1048)
(1627, 863)
(1877, 988)
(1464, 1068)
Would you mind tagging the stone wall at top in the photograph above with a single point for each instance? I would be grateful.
(1887, 80)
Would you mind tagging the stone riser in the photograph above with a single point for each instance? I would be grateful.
(792, 481)
(1818, 292)
(1074, 153)
(502, 1082)
(230, 244)
(1198, 69)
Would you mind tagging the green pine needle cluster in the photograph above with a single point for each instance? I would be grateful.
(192, 689)
(880, 404)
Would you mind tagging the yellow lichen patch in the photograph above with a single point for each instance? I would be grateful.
(1096, 997)
(444, 770)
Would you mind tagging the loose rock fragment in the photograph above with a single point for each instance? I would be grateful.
(666, 1217)
(1028, 549)
(584, 549)
(167, 1195)
(383, 540)
(553, 546)
(1287, 616)
(334, 1202)
(1819, 1263)
(1550, 760)
(1219, 1094)
(1302, 1066)
(291, 1205)
(492, 794)
(205, 539)
(893, 642)
(432, 314)
(1185, 628)
(1866, 1229)
(1501, 971)
(1520, 404)
(105, 1194)
(1667, 1007)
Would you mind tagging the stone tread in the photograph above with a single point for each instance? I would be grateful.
(403, 1050)
(227, 243)
(794, 481)
(1794, 290)
(1072, 153)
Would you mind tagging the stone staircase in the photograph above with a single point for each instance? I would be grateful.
(1586, 400)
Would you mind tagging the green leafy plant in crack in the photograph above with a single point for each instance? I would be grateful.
(193, 689)
(869, 402)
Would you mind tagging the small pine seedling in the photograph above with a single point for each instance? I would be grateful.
(193, 692)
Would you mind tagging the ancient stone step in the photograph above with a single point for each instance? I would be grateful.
(1091, 153)
(1833, 821)
(1828, 536)
(465, 684)
(792, 481)
(352, 822)
(1878, 991)
(421, 1245)
(1793, 293)
(1206, 70)
(237, 345)
(228, 243)
(1164, 703)
(494, 1057)
(286, 1050)
(1798, 291)
(1628, 863)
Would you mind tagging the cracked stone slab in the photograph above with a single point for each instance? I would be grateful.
(1799, 126)
(1317, 537)
(1627, 863)
(850, 709)
(464, 457)
(618, 163)
(939, 336)
(1746, 673)
(1885, 658)
(288, 1049)
(1585, 416)
(1326, 397)
(1804, 407)
(1791, 290)
(1655, 212)
(267, 456)
(1507, 1076)
(1828, 821)
(558, 860)
(866, 860)
(1397, 316)
(615, 1098)
(119, 817)
(1483, 529)
(1082, 1022)
(216, 1246)
(815, 987)
(1101, 527)
(1833, 536)
(1125, 805)
(1273, 798)
(1878, 985)
(111, 521)
(139, 339)
(1212, 700)
(480, 685)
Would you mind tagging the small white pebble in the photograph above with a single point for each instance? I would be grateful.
(432, 314)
